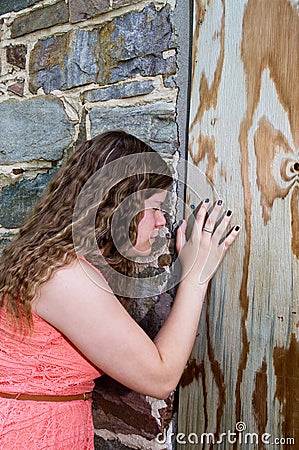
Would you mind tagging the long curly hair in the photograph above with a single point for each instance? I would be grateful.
(46, 241)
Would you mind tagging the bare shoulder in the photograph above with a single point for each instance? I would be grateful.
(77, 279)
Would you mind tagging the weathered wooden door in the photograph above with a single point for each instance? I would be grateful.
(243, 375)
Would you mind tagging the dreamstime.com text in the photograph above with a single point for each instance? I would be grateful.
(239, 436)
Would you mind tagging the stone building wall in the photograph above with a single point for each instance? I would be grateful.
(70, 70)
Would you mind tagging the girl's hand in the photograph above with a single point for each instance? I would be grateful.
(202, 253)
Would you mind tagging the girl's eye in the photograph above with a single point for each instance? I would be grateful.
(156, 209)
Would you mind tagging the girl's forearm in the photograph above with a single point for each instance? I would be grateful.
(176, 337)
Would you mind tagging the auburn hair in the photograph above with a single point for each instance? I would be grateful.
(46, 241)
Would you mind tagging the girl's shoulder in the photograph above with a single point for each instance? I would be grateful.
(79, 276)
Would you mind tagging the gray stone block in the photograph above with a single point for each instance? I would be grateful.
(133, 44)
(15, 5)
(82, 63)
(142, 33)
(170, 82)
(122, 48)
(85, 9)
(125, 90)
(49, 79)
(36, 128)
(17, 200)
(64, 61)
(153, 123)
(40, 19)
(146, 66)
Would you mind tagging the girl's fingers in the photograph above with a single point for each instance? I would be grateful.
(222, 226)
(232, 236)
(227, 241)
(200, 220)
(216, 255)
(181, 236)
(204, 225)
(209, 224)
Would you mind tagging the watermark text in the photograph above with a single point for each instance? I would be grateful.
(238, 436)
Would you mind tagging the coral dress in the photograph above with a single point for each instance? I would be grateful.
(44, 364)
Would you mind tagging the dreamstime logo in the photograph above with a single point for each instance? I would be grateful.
(116, 174)
(238, 436)
(240, 426)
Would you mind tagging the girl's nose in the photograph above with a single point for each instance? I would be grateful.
(160, 220)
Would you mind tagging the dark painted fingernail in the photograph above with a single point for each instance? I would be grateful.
(219, 202)
(229, 212)
(207, 200)
(237, 228)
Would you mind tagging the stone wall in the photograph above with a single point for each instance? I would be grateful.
(70, 70)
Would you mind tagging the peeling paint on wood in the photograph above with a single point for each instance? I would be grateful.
(216, 370)
(259, 398)
(244, 135)
(286, 366)
(294, 223)
(193, 372)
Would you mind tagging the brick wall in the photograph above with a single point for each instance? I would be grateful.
(70, 70)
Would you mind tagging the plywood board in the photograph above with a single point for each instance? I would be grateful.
(244, 135)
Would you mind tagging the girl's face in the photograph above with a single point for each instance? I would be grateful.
(148, 227)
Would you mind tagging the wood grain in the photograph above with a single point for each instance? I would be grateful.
(244, 136)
